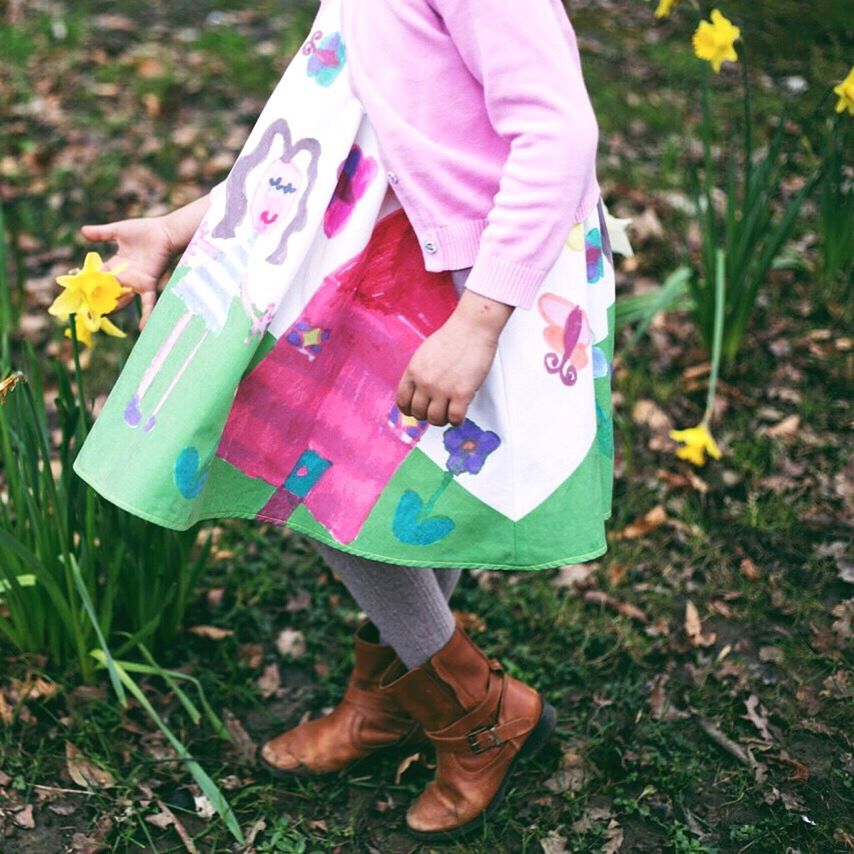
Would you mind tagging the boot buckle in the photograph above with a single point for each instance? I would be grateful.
(475, 743)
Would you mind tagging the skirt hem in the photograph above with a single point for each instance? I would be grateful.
(331, 541)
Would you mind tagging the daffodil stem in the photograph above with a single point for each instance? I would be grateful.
(75, 347)
(748, 132)
(711, 239)
(717, 338)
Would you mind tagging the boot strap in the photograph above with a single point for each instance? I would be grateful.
(484, 737)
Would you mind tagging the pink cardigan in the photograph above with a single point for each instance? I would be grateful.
(485, 126)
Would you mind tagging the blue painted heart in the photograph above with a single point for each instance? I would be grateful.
(409, 528)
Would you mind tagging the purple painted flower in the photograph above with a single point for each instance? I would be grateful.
(469, 446)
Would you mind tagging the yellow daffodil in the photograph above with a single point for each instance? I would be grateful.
(713, 41)
(664, 7)
(845, 90)
(86, 323)
(91, 289)
(697, 441)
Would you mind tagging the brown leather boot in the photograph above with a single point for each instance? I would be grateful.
(481, 722)
(362, 723)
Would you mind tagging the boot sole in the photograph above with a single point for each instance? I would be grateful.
(532, 746)
(305, 773)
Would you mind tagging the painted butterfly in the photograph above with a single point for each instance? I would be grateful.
(568, 334)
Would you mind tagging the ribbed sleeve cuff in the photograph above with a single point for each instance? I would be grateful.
(504, 281)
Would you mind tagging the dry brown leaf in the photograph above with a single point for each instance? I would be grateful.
(844, 612)
(574, 574)
(384, 806)
(252, 833)
(251, 654)
(211, 632)
(404, 765)
(472, 623)
(758, 716)
(300, 602)
(242, 740)
(7, 712)
(84, 772)
(693, 627)
(800, 772)
(83, 844)
(24, 818)
(652, 415)
(613, 838)
(62, 809)
(269, 681)
(591, 819)
(150, 68)
(771, 653)
(214, 596)
(627, 609)
(697, 483)
(204, 808)
(570, 775)
(784, 429)
(651, 520)
(291, 642)
(748, 569)
(554, 843)
(162, 819)
(647, 226)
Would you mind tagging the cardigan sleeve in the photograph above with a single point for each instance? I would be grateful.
(525, 58)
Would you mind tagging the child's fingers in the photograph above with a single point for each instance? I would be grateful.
(457, 412)
(99, 232)
(129, 277)
(437, 411)
(149, 298)
(123, 300)
(405, 390)
(420, 404)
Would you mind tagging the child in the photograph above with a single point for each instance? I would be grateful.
(391, 330)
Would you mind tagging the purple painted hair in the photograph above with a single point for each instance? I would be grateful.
(236, 201)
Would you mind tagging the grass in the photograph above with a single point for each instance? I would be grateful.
(633, 693)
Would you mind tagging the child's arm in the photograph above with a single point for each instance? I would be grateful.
(525, 57)
(147, 245)
(450, 366)
(527, 62)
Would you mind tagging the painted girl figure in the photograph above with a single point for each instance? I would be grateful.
(409, 276)
(275, 210)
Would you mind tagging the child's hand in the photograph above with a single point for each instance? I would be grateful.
(146, 246)
(449, 367)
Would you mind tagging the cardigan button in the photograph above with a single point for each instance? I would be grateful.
(392, 177)
(430, 247)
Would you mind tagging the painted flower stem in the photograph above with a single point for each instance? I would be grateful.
(447, 477)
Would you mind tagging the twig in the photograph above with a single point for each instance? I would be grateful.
(742, 754)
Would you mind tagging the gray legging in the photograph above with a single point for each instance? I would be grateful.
(409, 605)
